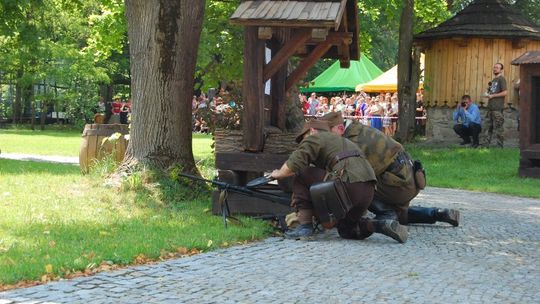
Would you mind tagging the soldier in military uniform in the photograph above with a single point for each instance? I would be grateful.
(497, 90)
(334, 156)
(396, 185)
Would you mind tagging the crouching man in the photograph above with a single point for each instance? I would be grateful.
(468, 121)
(398, 178)
(333, 158)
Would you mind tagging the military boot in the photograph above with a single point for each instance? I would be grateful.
(351, 230)
(423, 215)
(450, 216)
(392, 229)
(301, 231)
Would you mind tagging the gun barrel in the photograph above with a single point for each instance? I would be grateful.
(242, 190)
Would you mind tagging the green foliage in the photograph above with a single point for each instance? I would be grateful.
(379, 23)
(220, 56)
(63, 45)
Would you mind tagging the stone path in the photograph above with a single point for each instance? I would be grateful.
(41, 158)
(493, 257)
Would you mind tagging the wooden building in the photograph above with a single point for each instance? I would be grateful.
(310, 30)
(460, 52)
(529, 107)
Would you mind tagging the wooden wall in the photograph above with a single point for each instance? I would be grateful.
(457, 67)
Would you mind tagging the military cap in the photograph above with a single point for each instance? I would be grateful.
(333, 119)
(315, 124)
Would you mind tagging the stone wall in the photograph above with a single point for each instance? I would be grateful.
(439, 129)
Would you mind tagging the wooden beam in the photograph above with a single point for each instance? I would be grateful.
(319, 34)
(241, 204)
(344, 63)
(342, 7)
(345, 56)
(344, 23)
(265, 33)
(288, 49)
(307, 63)
(278, 96)
(335, 38)
(253, 91)
(252, 162)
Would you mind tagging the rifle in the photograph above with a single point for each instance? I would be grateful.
(224, 188)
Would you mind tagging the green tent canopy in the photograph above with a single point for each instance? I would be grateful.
(336, 79)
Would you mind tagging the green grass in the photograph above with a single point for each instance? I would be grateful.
(489, 170)
(55, 219)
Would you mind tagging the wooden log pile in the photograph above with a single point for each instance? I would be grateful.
(275, 141)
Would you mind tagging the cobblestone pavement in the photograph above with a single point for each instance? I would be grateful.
(41, 158)
(493, 257)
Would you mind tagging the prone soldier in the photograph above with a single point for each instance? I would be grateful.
(339, 160)
(397, 180)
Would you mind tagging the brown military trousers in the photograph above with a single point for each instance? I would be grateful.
(360, 193)
(396, 188)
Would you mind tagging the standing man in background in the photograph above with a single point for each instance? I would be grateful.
(495, 94)
(468, 121)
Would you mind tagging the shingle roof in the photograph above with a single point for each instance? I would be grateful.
(334, 15)
(527, 58)
(485, 18)
(290, 13)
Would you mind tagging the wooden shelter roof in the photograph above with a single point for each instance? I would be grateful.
(332, 16)
(529, 57)
(290, 13)
(485, 18)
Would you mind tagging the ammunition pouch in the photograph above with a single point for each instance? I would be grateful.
(419, 175)
(331, 201)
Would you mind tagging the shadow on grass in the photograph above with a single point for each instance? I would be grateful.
(15, 167)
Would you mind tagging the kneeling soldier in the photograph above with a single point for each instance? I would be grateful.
(396, 183)
(341, 160)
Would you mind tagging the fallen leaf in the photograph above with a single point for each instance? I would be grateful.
(209, 243)
(48, 268)
(182, 250)
(52, 243)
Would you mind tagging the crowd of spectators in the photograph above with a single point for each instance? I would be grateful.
(380, 111)
(220, 109)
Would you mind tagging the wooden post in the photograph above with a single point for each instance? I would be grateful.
(253, 91)
(277, 117)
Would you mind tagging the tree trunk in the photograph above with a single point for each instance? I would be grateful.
(44, 109)
(408, 74)
(106, 92)
(17, 104)
(163, 40)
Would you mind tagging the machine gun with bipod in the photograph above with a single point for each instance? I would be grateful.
(249, 190)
